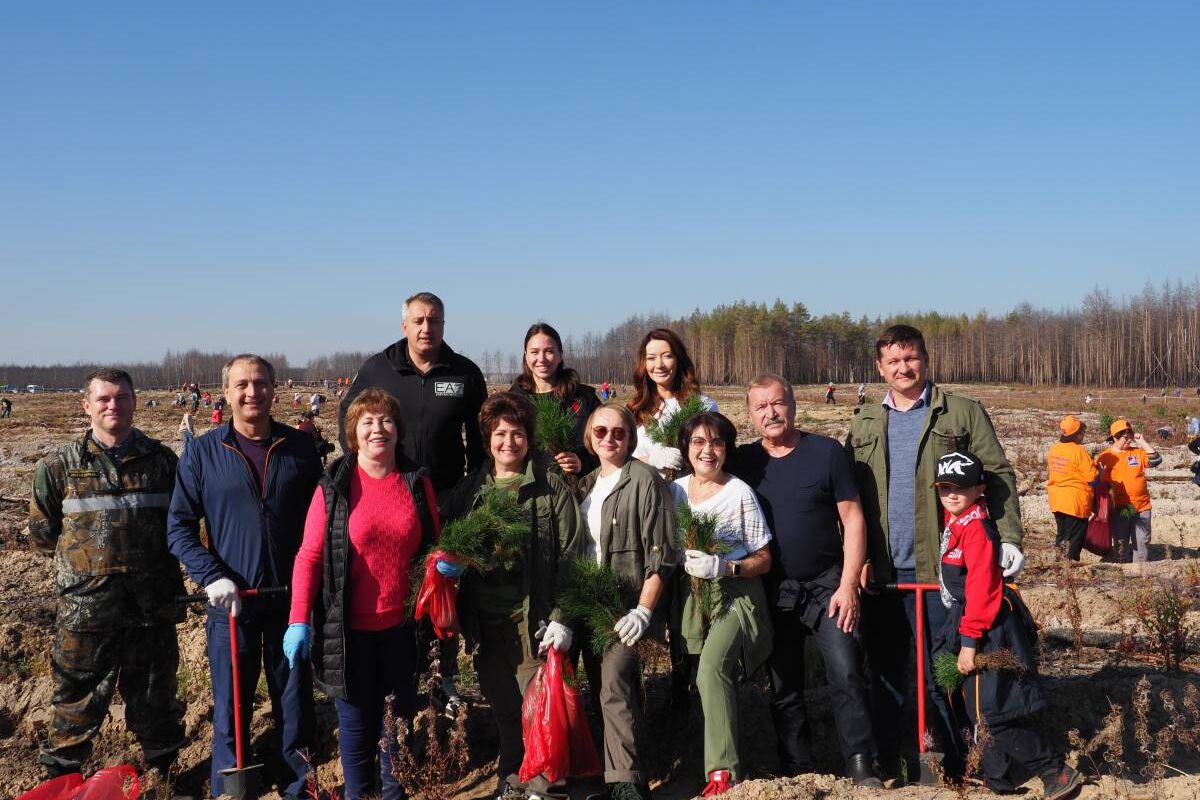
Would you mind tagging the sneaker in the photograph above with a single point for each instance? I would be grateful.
(506, 791)
(1062, 784)
(719, 782)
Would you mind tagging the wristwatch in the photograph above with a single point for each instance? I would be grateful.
(735, 569)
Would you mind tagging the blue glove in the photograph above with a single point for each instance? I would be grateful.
(451, 569)
(296, 642)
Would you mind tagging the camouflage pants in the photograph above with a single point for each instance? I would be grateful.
(88, 666)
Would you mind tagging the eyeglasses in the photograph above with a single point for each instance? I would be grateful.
(1124, 433)
(600, 431)
(698, 443)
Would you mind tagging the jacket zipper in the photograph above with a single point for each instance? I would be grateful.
(262, 491)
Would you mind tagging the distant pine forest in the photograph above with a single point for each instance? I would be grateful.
(1151, 340)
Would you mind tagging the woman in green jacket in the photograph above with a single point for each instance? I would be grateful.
(630, 522)
(502, 610)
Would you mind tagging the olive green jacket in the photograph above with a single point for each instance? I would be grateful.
(954, 423)
(637, 530)
(106, 526)
(556, 533)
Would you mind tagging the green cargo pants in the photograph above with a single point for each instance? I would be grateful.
(88, 666)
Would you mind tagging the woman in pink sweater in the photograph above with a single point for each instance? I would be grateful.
(371, 517)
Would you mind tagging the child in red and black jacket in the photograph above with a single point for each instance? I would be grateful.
(985, 616)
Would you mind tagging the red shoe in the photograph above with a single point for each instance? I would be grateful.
(719, 782)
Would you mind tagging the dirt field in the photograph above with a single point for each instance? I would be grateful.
(1098, 645)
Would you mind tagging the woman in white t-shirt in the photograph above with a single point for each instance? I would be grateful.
(736, 637)
(630, 518)
(663, 378)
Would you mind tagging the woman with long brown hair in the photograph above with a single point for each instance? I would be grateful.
(663, 379)
(543, 372)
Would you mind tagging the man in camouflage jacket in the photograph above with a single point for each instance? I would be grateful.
(99, 506)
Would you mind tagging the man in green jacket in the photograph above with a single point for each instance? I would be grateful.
(894, 448)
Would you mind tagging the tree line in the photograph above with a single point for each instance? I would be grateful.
(1151, 340)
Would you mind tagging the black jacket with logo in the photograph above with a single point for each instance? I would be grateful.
(437, 406)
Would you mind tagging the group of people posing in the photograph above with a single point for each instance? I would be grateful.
(809, 530)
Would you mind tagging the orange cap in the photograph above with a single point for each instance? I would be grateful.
(1118, 426)
(1070, 425)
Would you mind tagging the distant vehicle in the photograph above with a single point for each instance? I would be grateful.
(35, 388)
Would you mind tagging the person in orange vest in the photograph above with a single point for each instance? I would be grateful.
(1071, 474)
(1124, 466)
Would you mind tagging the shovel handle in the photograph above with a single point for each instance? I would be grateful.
(267, 591)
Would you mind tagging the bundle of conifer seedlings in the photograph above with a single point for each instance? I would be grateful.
(698, 531)
(492, 534)
(947, 676)
(589, 593)
(666, 431)
(554, 430)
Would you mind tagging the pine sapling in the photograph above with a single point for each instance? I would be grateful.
(491, 534)
(590, 593)
(666, 431)
(947, 676)
(698, 531)
(555, 425)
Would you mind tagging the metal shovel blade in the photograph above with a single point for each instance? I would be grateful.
(931, 768)
(244, 783)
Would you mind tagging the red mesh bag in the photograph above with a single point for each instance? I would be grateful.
(558, 742)
(113, 783)
(437, 598)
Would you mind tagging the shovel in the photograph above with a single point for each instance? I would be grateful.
(930, 763)
(241, 781)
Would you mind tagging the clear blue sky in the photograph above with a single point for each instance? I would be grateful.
(278, 176)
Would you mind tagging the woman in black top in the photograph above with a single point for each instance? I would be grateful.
(543, 372)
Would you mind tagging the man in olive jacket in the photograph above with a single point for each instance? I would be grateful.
(894, 448)
(99, 506)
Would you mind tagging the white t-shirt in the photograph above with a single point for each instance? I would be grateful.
(660, 456)
(742, 525)
(592, 509)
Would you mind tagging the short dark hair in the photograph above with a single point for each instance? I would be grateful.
(376, 401)
(108, 375)
(248, 357)
(508, 407)
(714, 422)
(902, 335)
(429, 298)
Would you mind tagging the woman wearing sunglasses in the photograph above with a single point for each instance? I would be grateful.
(1124, 466)
(630, 520)
(732, 634)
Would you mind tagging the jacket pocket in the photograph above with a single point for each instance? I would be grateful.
(949, 439)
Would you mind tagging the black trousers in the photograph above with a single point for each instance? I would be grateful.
(1014, 754)
(845, 672)
(1071, 532)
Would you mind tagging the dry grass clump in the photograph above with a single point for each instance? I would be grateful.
(431, 754)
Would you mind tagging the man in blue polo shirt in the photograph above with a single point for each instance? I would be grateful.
(807, 491)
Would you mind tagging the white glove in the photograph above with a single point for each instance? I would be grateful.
(665, 458)
(1011, 559)
(632, 627)
(699, 564)
(558, 636)
(223, 593)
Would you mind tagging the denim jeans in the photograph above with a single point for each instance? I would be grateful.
(379, 665)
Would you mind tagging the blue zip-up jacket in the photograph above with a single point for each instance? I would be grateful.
(252, 537)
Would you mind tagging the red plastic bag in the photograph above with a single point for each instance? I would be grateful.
(1098, 538)
(558, 742)
(59, 788)
(107, 784)
(438, 598)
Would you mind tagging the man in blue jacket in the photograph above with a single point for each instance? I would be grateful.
(251, 480)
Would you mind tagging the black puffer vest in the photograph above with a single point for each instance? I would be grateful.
(330, 670)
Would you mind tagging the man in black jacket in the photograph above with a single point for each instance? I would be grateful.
(440, 393)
